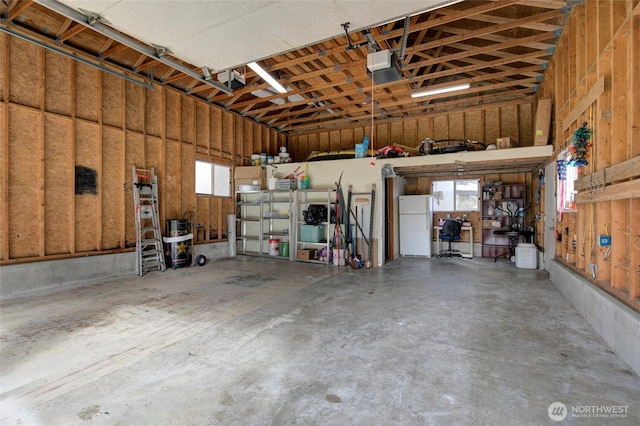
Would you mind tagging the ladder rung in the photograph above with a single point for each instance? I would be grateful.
(152, 252)
(149, 241)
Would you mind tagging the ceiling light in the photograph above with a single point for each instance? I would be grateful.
(268, 92)
(441, 90)
(266, 77)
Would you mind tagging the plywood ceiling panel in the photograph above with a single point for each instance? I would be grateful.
(227, 34)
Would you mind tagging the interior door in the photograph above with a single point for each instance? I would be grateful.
(389, 213)
(550, 206)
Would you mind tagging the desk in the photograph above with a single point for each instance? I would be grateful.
(514, 237)
(468, 254)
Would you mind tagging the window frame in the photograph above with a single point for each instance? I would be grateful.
(214, 185)
(455, 190)
(571, 175)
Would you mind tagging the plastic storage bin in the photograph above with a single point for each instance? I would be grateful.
(526, 256)
(311, 233)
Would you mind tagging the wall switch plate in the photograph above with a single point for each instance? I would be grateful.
(605, 240)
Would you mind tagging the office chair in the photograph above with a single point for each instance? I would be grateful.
(450, 232)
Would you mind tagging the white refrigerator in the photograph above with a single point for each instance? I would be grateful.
(415, 225)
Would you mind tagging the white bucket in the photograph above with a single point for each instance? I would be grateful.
(338, 258)
(274, 247)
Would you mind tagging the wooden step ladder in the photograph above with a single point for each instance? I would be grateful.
(149, 250)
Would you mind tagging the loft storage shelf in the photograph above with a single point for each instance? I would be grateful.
(513, 160)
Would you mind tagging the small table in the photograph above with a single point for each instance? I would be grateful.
(514, 237)
(468, 254)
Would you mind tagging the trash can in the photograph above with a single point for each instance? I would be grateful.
(177, 243)
(284, 248)
(526, 256)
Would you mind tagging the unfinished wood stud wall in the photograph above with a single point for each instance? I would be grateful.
(600, 46)
(56, 114)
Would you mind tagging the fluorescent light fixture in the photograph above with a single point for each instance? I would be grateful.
(266, 77)
(441, 90)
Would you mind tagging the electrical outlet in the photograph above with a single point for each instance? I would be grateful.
(605, 240)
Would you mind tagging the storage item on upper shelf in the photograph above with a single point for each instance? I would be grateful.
(250, 175)
(248, 188)
(286, 184)
(503, 143)
(516, 192)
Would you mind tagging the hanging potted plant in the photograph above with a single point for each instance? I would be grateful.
(578, 152)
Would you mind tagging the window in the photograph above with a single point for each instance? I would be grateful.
(213, 179)
(456, 195)
(567, 176)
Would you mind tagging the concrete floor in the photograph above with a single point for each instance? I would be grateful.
(247, 341)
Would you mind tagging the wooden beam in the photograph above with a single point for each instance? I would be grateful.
(625, 170)
(594, 93)
(118, 48)
(4, 140)
(40, 203)
(146, 65)
(441, 20)
(19, 7)
(620, 191)
(76, 29)
(485, 31)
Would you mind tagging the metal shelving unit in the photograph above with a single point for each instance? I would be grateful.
(277, 208)
(249, 223)
(305, 198)
(261, 216)
(495, 215)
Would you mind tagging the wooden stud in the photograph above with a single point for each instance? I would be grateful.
(127, 189)
(4, 149)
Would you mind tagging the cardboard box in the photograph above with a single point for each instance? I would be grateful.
(248, 174)
(543, 122)
(306, 254)
(487, 223)
(503, 143)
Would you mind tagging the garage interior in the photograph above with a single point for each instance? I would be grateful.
(88, 94)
